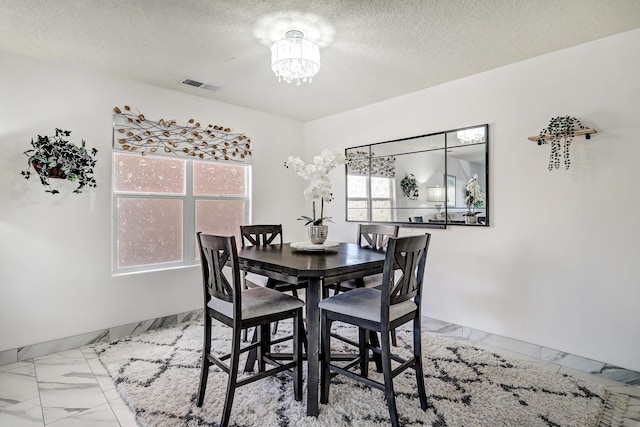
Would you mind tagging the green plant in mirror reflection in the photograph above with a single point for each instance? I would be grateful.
(409, 187)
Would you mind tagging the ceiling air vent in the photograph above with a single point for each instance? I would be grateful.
(200, 85)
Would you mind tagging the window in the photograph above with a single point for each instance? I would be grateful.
(381, 197)
(159, 203)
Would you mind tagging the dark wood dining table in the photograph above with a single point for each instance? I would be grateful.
(317, 268)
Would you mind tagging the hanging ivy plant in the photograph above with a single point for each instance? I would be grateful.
(409, 186)
(559, 133)
(55, 157)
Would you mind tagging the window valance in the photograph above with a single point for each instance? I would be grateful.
(135, 133)
(358, 163)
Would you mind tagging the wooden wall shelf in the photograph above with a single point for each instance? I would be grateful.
(586, 132)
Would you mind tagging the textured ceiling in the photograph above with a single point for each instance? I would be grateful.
(371, 50)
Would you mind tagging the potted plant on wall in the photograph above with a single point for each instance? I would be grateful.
(56, 157)
(559, 133)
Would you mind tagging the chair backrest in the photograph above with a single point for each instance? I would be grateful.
(216, 253)
(408, 255)
(376, 236)
(261, 235)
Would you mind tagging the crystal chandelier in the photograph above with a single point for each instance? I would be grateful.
(471, 136)
(294, 58)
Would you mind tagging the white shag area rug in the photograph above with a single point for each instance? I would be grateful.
(157, 374)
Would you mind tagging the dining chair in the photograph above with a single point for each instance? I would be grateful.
(261, 235)
(226, 301)
(374, 237)
(380, 311)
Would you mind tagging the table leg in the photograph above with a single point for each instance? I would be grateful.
(313, 345)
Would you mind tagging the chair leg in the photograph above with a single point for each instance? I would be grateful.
(337, 289)
(244, 286)
(264, 346)
(294, 292)
(373, 339)
(253, 354)
(389, 393)
(298, 331)
(394, 340)
(271, 284)
(204, 368)
(305, 315)
(234, 360)
(363, 342)
(325, 357)
(417, 354)
(305, 343)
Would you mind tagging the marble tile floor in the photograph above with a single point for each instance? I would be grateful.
(65, 389)
(71, 387)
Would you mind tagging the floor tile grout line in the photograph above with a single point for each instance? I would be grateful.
(94, 378)
(115, 416)
(35, 374)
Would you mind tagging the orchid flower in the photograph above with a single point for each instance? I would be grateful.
(317, 173)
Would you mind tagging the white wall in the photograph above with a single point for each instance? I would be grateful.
(55, 259)
(560, 264)
(558, 267)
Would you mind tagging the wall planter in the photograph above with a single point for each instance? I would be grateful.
(560, 133)
(53, 157)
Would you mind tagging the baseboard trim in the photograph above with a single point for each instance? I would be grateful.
(534, 351)
(110, 334)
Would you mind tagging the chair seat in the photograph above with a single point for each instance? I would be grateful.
(258, 302)
(365, 303)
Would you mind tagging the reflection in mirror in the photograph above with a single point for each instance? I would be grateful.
(466, 160)
(432, 180)
(370, 180)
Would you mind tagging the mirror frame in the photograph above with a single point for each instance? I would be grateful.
(447, 179)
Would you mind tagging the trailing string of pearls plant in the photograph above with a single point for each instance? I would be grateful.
(133, 132)
(559, 133)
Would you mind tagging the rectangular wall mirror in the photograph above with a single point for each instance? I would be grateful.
(430, 180)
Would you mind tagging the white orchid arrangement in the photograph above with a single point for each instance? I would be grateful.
(474, 196)
(317, 173)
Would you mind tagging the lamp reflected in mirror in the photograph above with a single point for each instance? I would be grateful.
(438, 196)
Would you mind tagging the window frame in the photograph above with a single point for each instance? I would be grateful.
(190, 257)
